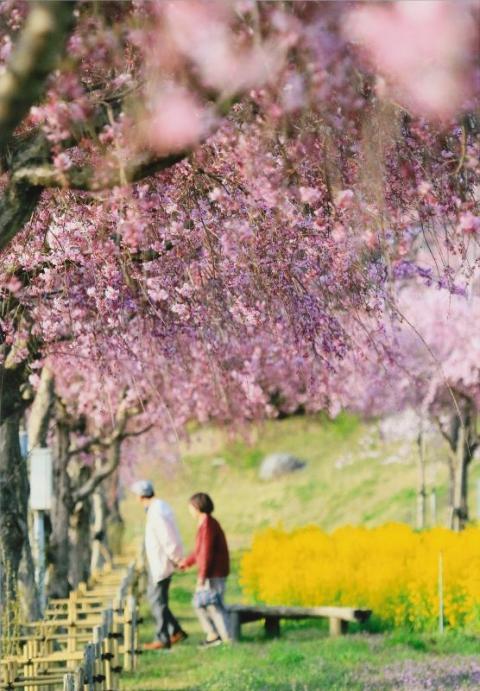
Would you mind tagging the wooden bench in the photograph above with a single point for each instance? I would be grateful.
(338, 617)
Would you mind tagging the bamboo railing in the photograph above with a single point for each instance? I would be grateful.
(84, 641)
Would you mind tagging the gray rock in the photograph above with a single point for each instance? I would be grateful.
(278, 464)
(218, 462)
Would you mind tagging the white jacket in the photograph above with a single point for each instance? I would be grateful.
(163, 545)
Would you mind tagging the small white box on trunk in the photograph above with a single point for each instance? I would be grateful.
(41, 480)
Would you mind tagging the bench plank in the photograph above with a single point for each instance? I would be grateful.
(255, 612)
(339, 617)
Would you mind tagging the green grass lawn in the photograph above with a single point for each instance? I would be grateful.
(302, 659)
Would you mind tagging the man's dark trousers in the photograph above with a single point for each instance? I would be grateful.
(166, 624)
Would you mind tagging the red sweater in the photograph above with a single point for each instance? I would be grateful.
(211, 551)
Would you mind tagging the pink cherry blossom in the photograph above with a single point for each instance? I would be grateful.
(178, 121)
(423, 47)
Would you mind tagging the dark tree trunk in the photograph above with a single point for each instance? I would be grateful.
(62, 508)
(460, 512)
(13, 486)
(79, 532)
(13, 521)
(80, 538)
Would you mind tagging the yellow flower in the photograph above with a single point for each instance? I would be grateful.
(391, 569)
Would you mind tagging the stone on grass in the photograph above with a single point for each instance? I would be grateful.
(278, 464)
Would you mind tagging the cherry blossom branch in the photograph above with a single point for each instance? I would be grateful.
(85, 179)
(35, 56)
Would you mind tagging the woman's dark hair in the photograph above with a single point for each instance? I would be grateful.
(202, 502)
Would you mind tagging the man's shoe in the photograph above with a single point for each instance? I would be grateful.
(210, 644)
(156, 645)
(178, 637)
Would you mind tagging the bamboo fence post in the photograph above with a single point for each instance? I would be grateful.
(89, 667)
(69, 682)
(127, 636)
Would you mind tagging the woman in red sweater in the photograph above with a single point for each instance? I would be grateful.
(213, 563)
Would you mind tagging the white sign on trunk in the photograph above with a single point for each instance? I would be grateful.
(41, 479)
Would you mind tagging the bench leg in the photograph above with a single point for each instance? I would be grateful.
(235, 626)
(272, 627)
(337, 626)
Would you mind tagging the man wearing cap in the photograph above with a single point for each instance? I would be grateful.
(163, 549)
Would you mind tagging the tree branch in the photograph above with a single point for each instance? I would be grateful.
(87, 179)
(35, 56)
(41, 411)
(101, 473)
(112, 444)
(17, 205)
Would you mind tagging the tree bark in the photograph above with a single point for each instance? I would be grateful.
(38, 423)
(13, 484)
(80, 543)
(27, 586)
(13, 525)
(17, 205)
(58, 549)
(461, 434)
(459, 512)
(41, 410)
(100, 549)
(115, 522)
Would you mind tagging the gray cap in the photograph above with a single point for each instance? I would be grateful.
(142, 488)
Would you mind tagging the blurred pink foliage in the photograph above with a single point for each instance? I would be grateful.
(244, 281)
(425, 49)
(178, 121)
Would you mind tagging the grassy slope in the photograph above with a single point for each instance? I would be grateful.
(363, 490)
(374, 484)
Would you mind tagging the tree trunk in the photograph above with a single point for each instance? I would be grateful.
(79, 531)
(58, 549)
(463, 440)
(80, 543)
(100, 548)
(422, 490)
(13, 489)
(115, 522)
(459, 512)
(38, 422)
(13, 523)
(28, 590)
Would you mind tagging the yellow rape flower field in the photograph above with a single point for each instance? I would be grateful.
(392, 569)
